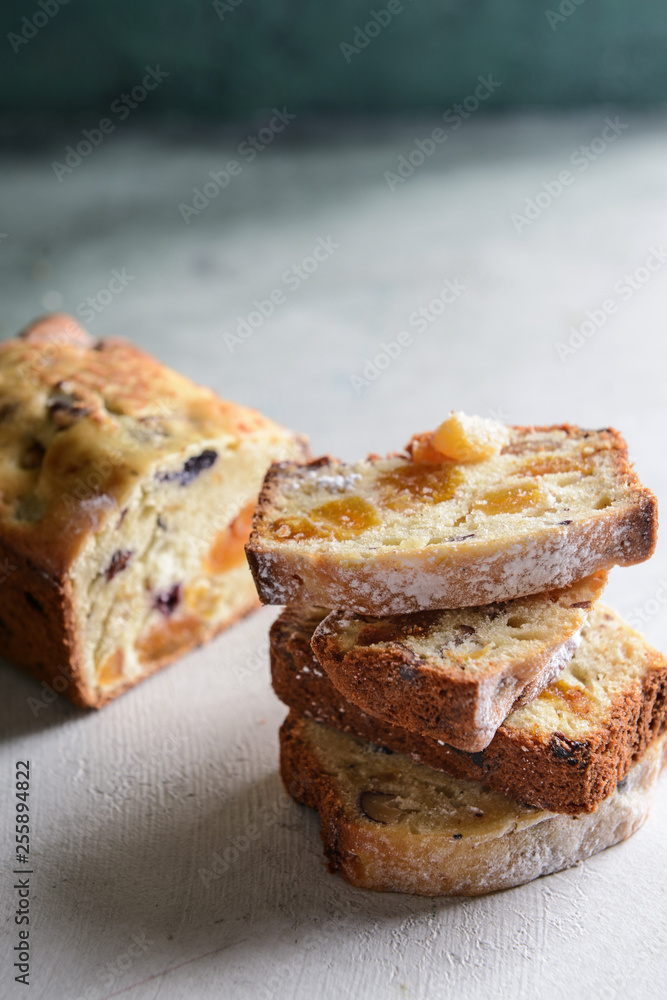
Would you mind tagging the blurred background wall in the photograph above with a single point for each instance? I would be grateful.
(232, 58)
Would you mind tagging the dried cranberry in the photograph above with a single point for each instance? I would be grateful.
(33, 456)
(192, 468)
(8, 410)
(167, 602)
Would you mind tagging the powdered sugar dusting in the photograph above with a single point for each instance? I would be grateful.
(396, 581)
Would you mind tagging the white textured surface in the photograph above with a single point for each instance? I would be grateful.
(130, 804)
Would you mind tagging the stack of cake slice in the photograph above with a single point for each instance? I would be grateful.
(465, 714)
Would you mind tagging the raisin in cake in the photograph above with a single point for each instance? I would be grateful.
(126, 497)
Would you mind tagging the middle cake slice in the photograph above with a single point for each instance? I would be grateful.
(455, 675)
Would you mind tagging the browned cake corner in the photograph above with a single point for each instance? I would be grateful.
(455, 675)
(407, 533)
(126, 497)
(564, 752)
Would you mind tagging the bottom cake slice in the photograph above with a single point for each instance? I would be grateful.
(391, 824)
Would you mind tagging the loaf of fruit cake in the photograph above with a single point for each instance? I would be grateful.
(126, 497)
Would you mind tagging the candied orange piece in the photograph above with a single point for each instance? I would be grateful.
(470, 439)
(568, 699)
(510, 499)
(556, 464)
(421, 449)
(296, 528)
(338, 519)
(418, 482)
(171, 638)
(111, 669)
(201, 599)
(228, 547)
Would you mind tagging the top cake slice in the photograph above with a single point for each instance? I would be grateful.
(420, 531)
(126, 496)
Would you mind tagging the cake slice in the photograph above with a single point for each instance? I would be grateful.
(455, 675)
(565, 751)
(126, 497)
(390, 824)
(421, 531)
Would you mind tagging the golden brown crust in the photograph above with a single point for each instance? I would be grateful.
(557, 773)
(37, 627)
(458, 573)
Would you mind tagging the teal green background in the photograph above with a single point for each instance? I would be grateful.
(275, 52)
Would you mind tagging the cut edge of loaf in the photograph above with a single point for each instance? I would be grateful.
(68, 676)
